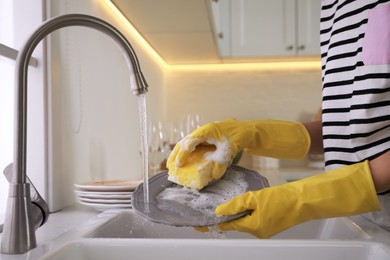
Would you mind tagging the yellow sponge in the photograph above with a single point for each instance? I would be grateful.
(197, 172)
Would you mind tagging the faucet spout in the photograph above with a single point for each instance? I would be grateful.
(18, 231)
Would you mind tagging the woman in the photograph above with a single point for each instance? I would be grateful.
(354, 134)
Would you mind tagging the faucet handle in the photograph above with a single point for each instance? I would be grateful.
(40, 210)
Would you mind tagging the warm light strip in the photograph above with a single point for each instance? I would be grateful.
(263, 66)
(288, 65)
(136, 34)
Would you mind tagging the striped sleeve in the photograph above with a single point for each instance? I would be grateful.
(355, 52)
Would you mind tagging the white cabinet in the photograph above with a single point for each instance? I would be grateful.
(264, 28)
(307, 37)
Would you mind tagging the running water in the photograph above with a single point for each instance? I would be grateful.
(144, 144)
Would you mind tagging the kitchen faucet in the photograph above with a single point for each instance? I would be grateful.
(19, 227)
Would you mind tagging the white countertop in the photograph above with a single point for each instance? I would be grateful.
(279, 176)
(282, 171)
(57, 224)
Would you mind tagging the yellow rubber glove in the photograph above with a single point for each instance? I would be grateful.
(205, 154)
(342, 192)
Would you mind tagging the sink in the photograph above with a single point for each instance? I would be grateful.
(128, 224)
(123, 234)
(195, 249)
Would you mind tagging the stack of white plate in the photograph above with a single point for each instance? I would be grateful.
(104, 195)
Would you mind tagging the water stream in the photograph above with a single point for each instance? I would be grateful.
(144, 145)
(214, 231)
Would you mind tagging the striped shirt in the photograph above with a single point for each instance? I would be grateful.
(355, 52)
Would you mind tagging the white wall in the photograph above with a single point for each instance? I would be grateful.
(24, 17)
(95, 121)
(244, 94)
(292, 94)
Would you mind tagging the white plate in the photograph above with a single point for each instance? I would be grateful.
(104, 195)
(105, 201)
(103, 207)
(111, 185)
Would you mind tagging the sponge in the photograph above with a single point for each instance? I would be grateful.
(197, 171)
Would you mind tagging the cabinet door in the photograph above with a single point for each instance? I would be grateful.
(222, 23)
(263, 28)
(308, 26)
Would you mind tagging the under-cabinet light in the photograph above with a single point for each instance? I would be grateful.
(263, 66)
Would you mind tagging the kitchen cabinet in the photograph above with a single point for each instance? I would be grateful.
(263, 28)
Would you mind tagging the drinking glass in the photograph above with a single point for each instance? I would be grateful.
(193, 122)
(183, 127)
(158, 145)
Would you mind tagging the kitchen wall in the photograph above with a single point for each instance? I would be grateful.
(94, 119)
(95, 128)
(284, 94)
(287, 94)
(18, 19)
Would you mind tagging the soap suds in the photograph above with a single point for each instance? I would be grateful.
(223, 153)
(206, 200)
